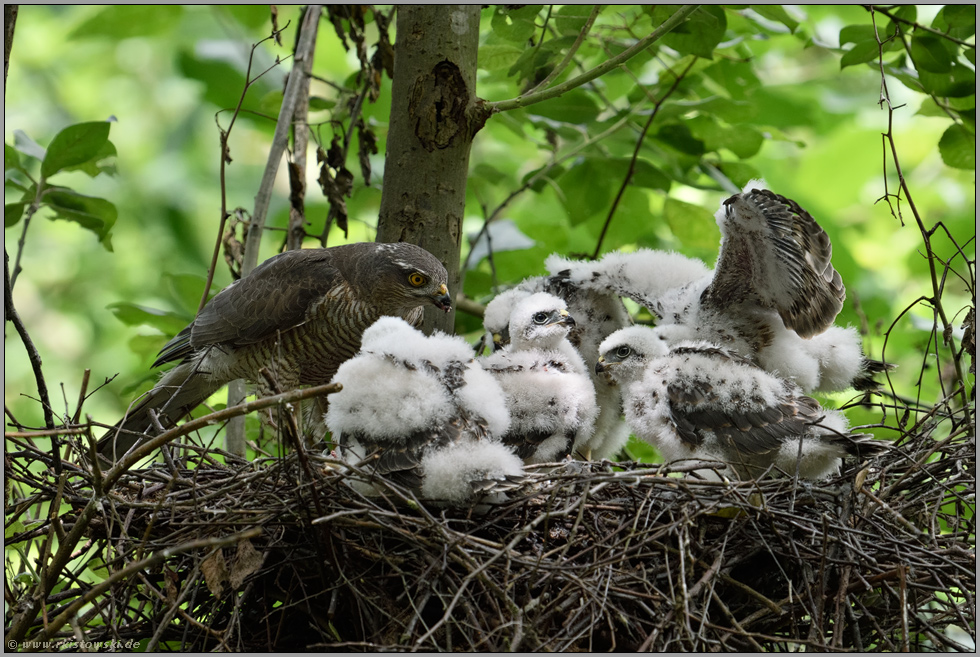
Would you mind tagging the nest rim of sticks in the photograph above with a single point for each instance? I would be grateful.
(284, 553)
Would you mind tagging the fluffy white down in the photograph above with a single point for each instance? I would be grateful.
(541, 397)
(496, 317)
(840, 356)
(385, 401)
(483, 396)
(647, 273)
(448, 473)
(397, 338)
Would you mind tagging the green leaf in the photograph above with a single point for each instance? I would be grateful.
(930, 53)
(186, 289)
(582, 197)
(958, 148)
(12, 212)
(222, 70)
(515, 24)
(570, 19)
(28, 146)
(960, 81)
(124, 21)
(691, 224)
(930, 108)
(679, 137)
(739, 173)
(699, 34)
(738, 78)
(553, 174)
(497, 56)
(863, 51)
(317, 103)
(131, 314)
(576, 106)
(95, 214)
(10, 158)
(649, 176)
(74, 146)
(959, 21)
(98, 164)
(856, 34)
(778, 14)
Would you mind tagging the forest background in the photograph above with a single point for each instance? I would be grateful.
(819, 101)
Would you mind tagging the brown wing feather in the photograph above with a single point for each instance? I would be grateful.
(782, 261)
(695, 411)
(276, 296)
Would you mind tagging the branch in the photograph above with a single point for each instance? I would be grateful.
(145, 449)
(636, 154)
(55, 624)
(896, 19)
(297, 83)
(280, 139)
(530, 99)
(558, 70)
(10, 314)
(936, 300)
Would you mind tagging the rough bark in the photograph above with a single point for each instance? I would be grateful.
(434, 115)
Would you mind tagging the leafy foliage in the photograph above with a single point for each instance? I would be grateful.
(637, 157)
(733, 94)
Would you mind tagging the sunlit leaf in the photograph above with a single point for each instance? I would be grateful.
(777, 13)
(498, 56)
(124, 21)
(515, 24)
(131, 314)
(959, 81)
(863, 51)
(699, 34)
(647, 175)
(692, 224)
(582, 197)
(76, 145)
(28, 146)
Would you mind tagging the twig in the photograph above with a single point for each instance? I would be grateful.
(636, 154)
(547, 94)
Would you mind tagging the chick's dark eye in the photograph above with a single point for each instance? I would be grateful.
(623, 352)
(416, 279)
(540, 318)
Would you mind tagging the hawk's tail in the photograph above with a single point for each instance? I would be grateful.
(177, 393)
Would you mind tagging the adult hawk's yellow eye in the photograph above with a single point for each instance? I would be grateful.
(417, 279)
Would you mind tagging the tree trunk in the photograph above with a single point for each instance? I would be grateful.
(434, 115)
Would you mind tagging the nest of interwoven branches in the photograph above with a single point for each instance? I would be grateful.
(208, 552)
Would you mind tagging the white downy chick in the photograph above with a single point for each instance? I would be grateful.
(549, 393)
(424, 415)
(695, 400)
(772, 297)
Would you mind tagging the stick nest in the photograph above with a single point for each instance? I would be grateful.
(284, 554)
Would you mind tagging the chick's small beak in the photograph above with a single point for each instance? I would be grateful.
(562, 317)
(441, 298)
(601, 365)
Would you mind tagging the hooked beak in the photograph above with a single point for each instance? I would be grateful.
(441, 299)
(601, 365)
(563, 318)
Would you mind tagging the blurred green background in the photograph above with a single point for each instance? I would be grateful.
(769, 96)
